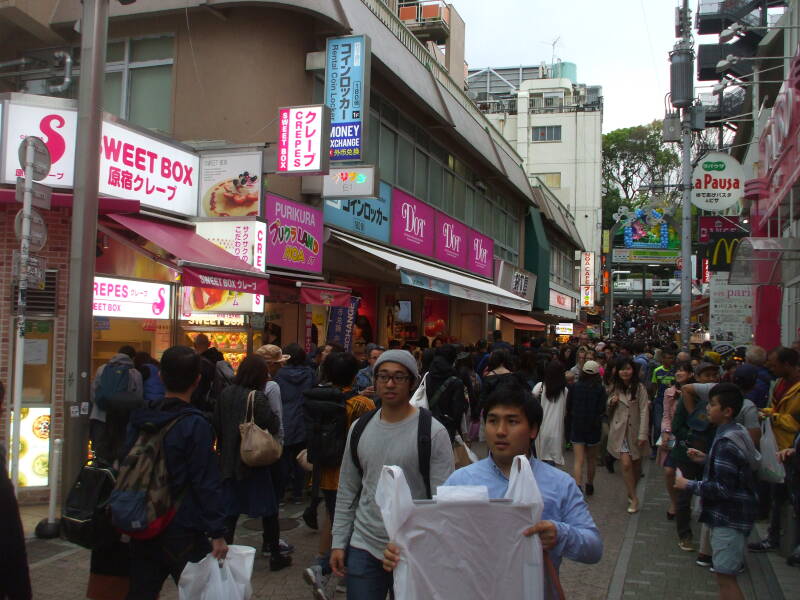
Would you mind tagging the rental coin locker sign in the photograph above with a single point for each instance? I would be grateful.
(717, 182)
(347, 83)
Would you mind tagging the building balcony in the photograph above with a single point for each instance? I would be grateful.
(429, 20)
(715, 15)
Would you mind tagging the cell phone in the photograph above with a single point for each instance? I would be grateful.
(684, 444)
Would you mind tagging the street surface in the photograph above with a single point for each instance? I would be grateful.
(641, 559)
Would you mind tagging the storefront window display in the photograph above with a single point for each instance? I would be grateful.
(230, 334)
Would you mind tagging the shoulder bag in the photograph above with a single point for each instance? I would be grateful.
(259, 448)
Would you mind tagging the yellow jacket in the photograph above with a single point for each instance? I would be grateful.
(785, 416)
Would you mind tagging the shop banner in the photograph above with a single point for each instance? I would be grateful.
(413, 224)
(515, 280)
(230, 183)
(130, 299)
(208, 278)
(718, 182)
(247, 241)
(357, 181)
(708, 226)
(720, 249)
(423, 282)
(323, 297)
(451, 241)
(730, 311)
(646, 255)
(561, 301)
(347, 84)
(340, 324)
(480, 259)
(364, 216)
(302, 143)
(133, 165)
(565, 329)
(587, 279)
(294, 235)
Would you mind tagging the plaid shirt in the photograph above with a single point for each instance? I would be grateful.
(728, 487)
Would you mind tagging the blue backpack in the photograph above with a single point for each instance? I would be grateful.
(114, 380)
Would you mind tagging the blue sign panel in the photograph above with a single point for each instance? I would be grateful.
(364, 216)
(347, 70)
(426, 283)
(340, 323)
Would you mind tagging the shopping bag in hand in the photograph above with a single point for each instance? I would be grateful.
(211, 579)
(771, 469)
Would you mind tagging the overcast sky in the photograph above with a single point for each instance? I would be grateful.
(622, 45)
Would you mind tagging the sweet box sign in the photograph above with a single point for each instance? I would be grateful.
(302, 141)
(130, 299)
(294, 235)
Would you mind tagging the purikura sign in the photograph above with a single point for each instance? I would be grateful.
(130, 299)
(294, 235)
(413, 224)
(133, 165)
(451, 241)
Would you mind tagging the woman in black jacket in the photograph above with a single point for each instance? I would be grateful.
(248, 490)
(445, 390)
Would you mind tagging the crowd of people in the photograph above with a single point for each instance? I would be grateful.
(339, 419)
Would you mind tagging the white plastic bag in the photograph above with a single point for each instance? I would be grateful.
(420, 398)
(771, 469)
(210, 580)
(465, 546)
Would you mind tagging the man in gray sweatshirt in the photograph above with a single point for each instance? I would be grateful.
(389, 438)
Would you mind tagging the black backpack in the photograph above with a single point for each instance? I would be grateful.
(325, 411)
(423, 446)
(85, 519)
(448, 406)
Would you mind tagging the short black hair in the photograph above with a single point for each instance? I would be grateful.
(127, 350)
(729, 396)
(297, 356)
(788, 356)
(668, 352)
(335, 346)
(180, 366)
(497, 335)
(252, 373)
(340, 368)
(499, 358)
(514, 394)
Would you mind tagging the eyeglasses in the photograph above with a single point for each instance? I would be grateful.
(397, 378)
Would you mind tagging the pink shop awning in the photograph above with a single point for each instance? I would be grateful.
(200, 262)
(324, 294)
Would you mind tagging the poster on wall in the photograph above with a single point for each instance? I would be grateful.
(294, 235)
(230, 183)
(34, 450)
(730, 311)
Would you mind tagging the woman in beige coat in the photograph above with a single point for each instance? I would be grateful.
(628, 418)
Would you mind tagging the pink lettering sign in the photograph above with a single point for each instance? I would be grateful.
(451, 241)
(480, 257)
(412, 224)
(294, 235)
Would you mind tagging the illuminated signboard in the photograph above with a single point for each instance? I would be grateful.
(130, 299)
(302, 140)
(587, 279)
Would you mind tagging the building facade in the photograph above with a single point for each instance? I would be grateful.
(453, 200)
(555, 124)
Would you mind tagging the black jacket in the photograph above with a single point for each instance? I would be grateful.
(586, 406)
(15, 583)
(191, 463)
(229, 412)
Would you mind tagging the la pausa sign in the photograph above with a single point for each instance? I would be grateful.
(718, 182)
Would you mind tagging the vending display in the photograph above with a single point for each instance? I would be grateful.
(232, 345)
(231, 334)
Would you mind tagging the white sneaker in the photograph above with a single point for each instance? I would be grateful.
(332, 586)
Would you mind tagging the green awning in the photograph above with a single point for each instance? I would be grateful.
(537, 257)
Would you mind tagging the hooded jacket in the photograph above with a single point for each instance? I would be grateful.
(293, 381)
(134, 383)
(191, 463)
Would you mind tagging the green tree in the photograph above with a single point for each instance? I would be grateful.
(634, 158)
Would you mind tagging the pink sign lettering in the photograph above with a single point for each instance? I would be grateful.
(480, 259)
(412, 224)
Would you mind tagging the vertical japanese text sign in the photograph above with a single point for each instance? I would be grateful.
(302, 139)
(587, 279)
(347, 82)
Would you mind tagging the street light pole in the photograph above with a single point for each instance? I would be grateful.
(94, 34)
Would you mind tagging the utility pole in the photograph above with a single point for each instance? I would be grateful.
(94, 34)
(682, 97)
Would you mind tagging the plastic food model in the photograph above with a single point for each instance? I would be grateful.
(233, 197)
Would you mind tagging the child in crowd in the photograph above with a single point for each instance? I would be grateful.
(729, 500)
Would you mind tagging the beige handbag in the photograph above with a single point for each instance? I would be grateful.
(259, 448)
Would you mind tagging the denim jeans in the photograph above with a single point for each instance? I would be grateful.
(366, 579)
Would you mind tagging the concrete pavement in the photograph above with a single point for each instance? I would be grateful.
(641, 558)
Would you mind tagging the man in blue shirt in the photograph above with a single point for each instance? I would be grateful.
(567, 529)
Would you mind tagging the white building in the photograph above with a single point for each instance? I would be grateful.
(555, 124)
